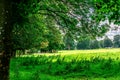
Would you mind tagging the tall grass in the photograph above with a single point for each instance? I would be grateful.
(68, 65)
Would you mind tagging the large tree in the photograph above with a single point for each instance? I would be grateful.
(6, 25)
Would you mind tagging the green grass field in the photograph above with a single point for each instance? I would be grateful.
(99, 64)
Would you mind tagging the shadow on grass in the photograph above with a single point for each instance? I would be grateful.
(57, 67)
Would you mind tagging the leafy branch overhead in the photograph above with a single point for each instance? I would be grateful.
(72, 16)
(109, 9)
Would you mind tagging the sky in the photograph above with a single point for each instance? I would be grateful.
(112, 32)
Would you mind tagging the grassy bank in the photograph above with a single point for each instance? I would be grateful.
(99, 64)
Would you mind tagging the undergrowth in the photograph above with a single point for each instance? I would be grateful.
(41, 66)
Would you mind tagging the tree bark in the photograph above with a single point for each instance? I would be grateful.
(4, 66)
(6, 42)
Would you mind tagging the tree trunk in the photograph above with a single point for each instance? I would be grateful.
(5, 38)
(4, 66)
(68, 47)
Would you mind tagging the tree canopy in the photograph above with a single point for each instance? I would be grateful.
(73, 17)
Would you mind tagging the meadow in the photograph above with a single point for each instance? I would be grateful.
(97, 64)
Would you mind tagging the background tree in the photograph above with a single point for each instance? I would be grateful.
(83, 44)
(94, 44)
(69, 42)
(116, 41)
(107, 42)
(54, 39)
(30, 35)
(101, 42)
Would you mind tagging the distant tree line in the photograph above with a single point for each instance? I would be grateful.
(53, 43)
(95, 44)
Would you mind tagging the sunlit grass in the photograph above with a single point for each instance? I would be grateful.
(104, 53)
